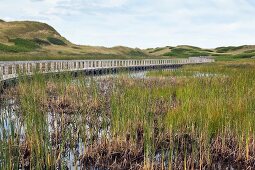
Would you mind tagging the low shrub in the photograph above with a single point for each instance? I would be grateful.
(40, 41)
(56, 41)
(14, 48)
(28, 44)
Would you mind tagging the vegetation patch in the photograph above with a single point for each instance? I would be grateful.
(25, 43)
(41, 41)
(13, 48)
(20, 45)
(174, 73)
(136, 53)
(56, 41)
(250, 51)
(189, 46)
(187, 52)
(76, 47)
(156, 50)
(228, 49)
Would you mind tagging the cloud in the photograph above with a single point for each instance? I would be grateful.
(143, 23)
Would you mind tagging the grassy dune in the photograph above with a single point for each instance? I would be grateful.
(220, 53)
(27, 40)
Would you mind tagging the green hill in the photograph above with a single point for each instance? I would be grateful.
(27, 40)
(220, 53)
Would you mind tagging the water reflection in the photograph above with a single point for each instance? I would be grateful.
(70, 124)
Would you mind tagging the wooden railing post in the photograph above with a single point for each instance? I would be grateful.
(27, 68)
(89, 64)
(57, 66)
(13, 70)
(63, 65)
(51, 67)
(1, 73)
(104, 63)
(60, 64)
(6, 70)
(100, 64)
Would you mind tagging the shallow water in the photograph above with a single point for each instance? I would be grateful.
(13, 124)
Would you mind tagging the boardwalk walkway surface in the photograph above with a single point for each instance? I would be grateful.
(11, 69)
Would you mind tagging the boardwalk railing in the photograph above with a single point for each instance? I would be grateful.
(9, 70)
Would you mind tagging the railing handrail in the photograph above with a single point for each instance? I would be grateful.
(10, 69)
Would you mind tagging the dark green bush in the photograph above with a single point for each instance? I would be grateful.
(136, 53)
(21, 45)
(244, 55)
(56, 41)
(228, 49)
(14, 48)
(25, 43)
(187, 52)
(249, 51)
(40, 41)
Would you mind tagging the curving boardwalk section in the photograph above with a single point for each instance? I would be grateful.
(10, 70)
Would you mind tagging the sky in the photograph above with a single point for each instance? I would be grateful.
(142, 23)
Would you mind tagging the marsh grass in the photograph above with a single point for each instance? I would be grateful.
(173, 73)
(166, 121)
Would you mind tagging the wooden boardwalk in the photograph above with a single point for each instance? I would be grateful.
(11, 69)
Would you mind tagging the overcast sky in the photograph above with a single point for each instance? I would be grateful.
(142, 23)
